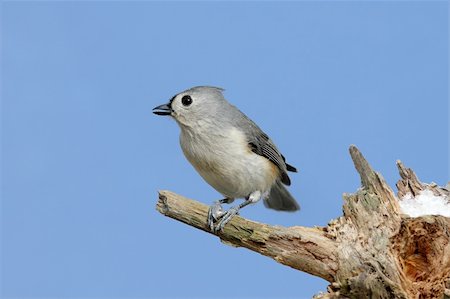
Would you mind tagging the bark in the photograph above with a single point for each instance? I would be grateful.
(372, 251)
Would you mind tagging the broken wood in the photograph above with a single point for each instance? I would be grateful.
(411, 184)
(372, 251)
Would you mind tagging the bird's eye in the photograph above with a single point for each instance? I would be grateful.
(186, 100)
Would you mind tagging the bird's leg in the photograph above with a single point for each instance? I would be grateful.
(216, 211)
(226, 217)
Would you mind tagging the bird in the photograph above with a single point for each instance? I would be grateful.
(230, 152)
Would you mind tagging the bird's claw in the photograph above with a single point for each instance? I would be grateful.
(225, 218)
(215, 212)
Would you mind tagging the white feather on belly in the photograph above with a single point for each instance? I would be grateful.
(227, 163)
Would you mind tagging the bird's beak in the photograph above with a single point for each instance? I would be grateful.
(164, 109)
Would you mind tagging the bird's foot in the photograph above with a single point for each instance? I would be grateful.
(215, 212)
(225, 218)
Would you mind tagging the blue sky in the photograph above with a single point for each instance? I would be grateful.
(83, 156)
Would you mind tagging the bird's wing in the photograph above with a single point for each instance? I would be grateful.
(261, 144)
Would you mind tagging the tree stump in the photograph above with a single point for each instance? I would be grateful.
(371, 251)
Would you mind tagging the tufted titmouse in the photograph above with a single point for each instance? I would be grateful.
(230, 152)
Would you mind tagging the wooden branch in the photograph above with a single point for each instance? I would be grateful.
(302, 248)
(372, 251)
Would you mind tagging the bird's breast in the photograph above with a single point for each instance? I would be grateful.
(227, 163)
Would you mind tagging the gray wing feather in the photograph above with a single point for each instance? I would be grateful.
(261, 144)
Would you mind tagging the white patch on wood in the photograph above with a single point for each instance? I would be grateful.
(426, 203)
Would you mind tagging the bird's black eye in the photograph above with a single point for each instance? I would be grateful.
(186, 100)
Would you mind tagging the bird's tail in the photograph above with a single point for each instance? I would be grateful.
(280, 199)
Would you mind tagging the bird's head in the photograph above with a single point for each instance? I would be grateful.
(192, 106)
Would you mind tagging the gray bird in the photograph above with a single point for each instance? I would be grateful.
(230, 152)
